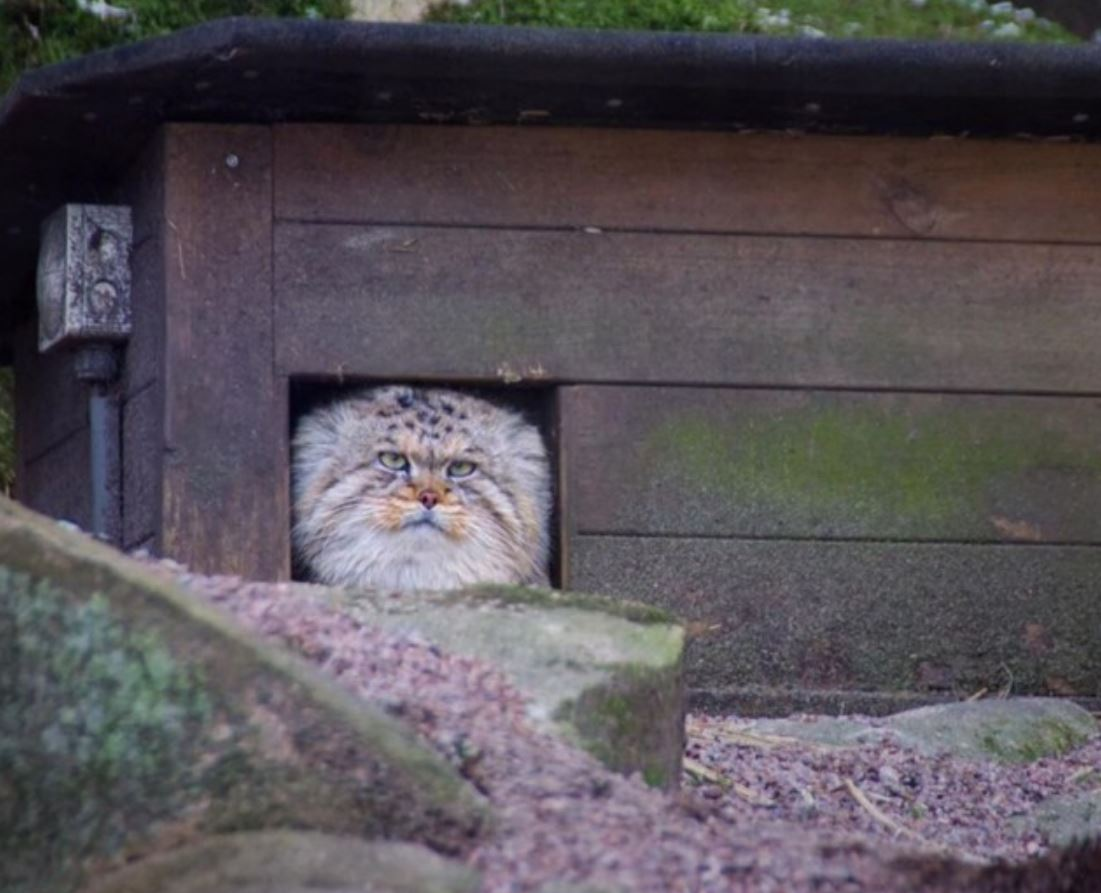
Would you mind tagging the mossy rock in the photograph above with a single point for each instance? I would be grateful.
(824, 731)
(292, 862)
(132, 713)
(608, 675)
(1068, 818)
(1011, 730)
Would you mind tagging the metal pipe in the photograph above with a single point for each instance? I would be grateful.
(97, 364)
(103, 430)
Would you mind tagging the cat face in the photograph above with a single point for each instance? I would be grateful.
(408, 488)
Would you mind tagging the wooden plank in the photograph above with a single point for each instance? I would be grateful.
(56, 483)
(806, 464)
(225, 503)
(773, 701)
(143, 452)
(453, 303)
(896, 617)
(717, 182)
(143, 374)
(143, 190)
(50, 404)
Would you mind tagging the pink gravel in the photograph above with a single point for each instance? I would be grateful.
(757, 817)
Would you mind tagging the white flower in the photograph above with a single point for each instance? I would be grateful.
(851, 29)
(810, 31)
(766, 19)
(103, 11)
(1004, 8)
(1025, 15)
(1007, 29)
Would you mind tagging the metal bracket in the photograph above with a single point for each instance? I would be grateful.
(84, 276)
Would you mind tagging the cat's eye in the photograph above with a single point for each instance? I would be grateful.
(461, 468)
(393, 461)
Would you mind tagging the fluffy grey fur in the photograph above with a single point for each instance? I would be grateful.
(409, 488)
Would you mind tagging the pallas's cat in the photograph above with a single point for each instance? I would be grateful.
(410, 488)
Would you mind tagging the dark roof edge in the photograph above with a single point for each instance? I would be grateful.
(68, 132)
(879, 67)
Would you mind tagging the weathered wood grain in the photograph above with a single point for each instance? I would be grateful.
(898, 617)
(143, 191)
(143, 373)
(225, 496)
(780, 700)
(805, 464)
(56, 482)
(50, 404)
(143, 453)
(721, 182)
(476, 304)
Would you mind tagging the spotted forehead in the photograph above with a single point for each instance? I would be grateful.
(428, 424)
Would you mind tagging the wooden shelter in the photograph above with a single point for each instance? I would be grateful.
(813, 326)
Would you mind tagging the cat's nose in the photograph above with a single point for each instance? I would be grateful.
(429, 498)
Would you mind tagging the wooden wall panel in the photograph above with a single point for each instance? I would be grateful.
(143, 459)
(916, 617)
(806, 464)
(143, 191)
(474, 304)
(50, 404)
(720, 182)
(56, 482)
(143, 375)
(51, 432)
(225, 493)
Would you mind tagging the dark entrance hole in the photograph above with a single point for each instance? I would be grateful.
(538, 404)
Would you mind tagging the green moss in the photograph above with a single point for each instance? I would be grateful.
(98, 728)
(39, 32)
(632, 722)
(617, 709)
(1046, 738)
(875, 464)
(293, 860)
(103, 700)
(609, 685)
(939, 19)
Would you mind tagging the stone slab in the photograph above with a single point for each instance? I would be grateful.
(292, 862)
(1009, 729)
(607, 674)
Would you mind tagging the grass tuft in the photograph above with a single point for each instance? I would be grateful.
(40, 32)
(915, 19)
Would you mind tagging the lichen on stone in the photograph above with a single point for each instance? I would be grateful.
(97, 732)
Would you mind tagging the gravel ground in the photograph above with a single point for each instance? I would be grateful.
(754, 813)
